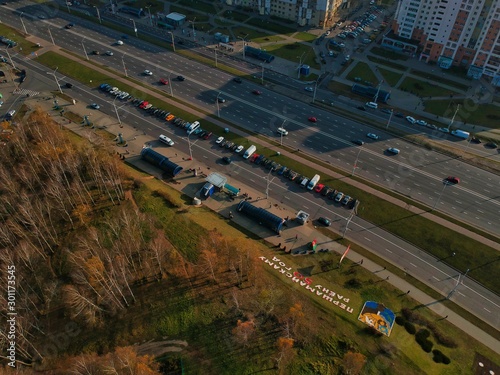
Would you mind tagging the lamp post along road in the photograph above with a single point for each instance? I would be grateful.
(268, 183)
(116, 111)
(244, 44)
(55, 78)
(22, 22)
(135, 28)
(10, 58)
(84, 50)
(439, 198)
(453, 118)
(215, 53)
(281, 133)
(170, 84)
(315, 89)
(98, 14)
(173, 42)
(300, 65)
(51, 37)
(67, 6)
(217, 102)
(124, 67)
(189, 145)
(356, 162)
(390, 118)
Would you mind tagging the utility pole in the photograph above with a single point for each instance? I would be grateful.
(217, 102)
(190, 151)
(22, 22)
(378, 91)
(51, 37)
(135, 27)
(390, 117)
(173, 42)
(453, 118)
(98, 14)
(244, 44)
(315, 88)
(347, 222)
(84, 50)
(10, 58)
(268, 183)
(356, 162)
(262, 76)
(281, 133)
(55, 78)
(124, 67)
(116, 111)
(215, 53)
(461, 276)
(300, 65)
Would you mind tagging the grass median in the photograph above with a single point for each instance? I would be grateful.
(427, 235)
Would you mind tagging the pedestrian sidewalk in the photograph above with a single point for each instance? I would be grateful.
(294, 237)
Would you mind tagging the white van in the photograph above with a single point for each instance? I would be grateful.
(249, 152)
(195, 125)
(166, 140)
(282, 131)
(371, 105)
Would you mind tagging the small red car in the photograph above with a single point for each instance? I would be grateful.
(208, 135)
(319, 188)
(257, 92)
(253, 158)
(313, 119)
(452, 180)
(164, 81)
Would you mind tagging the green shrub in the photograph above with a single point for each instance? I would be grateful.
(439, 357)
(421, 338)
(353, 284)
(410, 328)
(400, 320)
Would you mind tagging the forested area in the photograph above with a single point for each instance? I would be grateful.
(85, 253)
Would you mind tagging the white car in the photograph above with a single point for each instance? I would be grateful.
(309, 89)
(444, 130)
(410, 119)
(119, 42)
(108, 53)
(372, 136)
(219, 140)
(239, 149)
(11, 113)
(431, 126)
(339, 197)
(166, 140)
(421, 122)
(393, 150)
(148, 72)
(348, 57)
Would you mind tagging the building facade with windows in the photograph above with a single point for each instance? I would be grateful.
(303, 12)
(451, 33)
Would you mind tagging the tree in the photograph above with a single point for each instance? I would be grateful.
(353, 363)
(285, 353)
(244, 331)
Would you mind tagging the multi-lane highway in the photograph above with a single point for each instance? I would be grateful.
(329, 139)
(415, 172)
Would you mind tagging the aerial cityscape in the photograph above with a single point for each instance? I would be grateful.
(240, 186)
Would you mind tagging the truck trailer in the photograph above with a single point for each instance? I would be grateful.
(460, 134)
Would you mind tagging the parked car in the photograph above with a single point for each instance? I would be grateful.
(237, 80)
(219, 140)
(324, 221)
(257, 92)
(207, 136)
(239, 149)
(410, 119)
(339, 197)
(312, 119)
(326, 190)
(319, 188)
(491, 145)
(421, 122)
(309, 89)
(229, 145)
(346, 199)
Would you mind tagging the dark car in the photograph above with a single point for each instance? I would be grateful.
(69, 25)
(386, 110)
(237, 80)
(68, 85)
(257, 92)
(361, 108)
(260, 159)
(358, 142)
(229, 145)
(208, 135)
(202, 134)
(181, 78)
(399, 114)
(96, 53)
(324, 221)
(282, 170)
(326, 190)
(292, 175)
(224, 143)
(491, 145)
(475, 140)
(227, 160)
(332, 194)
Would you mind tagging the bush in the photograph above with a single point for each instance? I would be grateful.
(439, 357)
(353, 284)
(441, 338)
(414, 317)
(400, 320)
(410, 328)
(421, 338)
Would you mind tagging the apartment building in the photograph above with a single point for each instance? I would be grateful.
(451, 33)
(302, 12)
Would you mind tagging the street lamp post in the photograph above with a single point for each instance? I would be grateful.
(194, 32)
(55, 78)
(460, 277)
(356, 162)
(124, 67)
(244, 44)
(315, 89)
(453, 118)
(116, 111)
(135, 27)
(268, 183)
(439, 198)
(84, 50)
(10, 58)
(347, 222)
(390, 117)
(51, 37)
(217, 102)
(173, 42)
(22, 22)
(189, 145)
(149, 11)
(98, 14)
(378, 91)
(170, 84)
(281, 133)
(215, 53)
(67, 6)
(300, 64)
(262, 75)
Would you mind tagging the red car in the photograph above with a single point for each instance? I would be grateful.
(164, 81)
(208, 135)
(253, 158)
(452, 180)
(143, 104)
(257, 92)
(313, 119)
(319, 188)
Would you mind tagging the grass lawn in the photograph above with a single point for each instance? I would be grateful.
(386, 63)
(23, 46)
(292, 52)
(342, 89)
(222, 22)
(201, 6)
(269, 25)
(306, 37)
(484, 114)
(424, 88)
(190, 14)
(388, 54)
(254, 35)
(235, 16)
(440, 79)
(390, 76)
(362, 70)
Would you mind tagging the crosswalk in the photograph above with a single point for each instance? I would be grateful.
(26, 92)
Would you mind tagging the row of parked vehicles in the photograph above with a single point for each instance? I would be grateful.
(191, 128)
(282, 170)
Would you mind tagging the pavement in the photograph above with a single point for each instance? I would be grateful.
(294, 236)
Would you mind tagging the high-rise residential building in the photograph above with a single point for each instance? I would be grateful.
(302, 12)
(450, 32)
